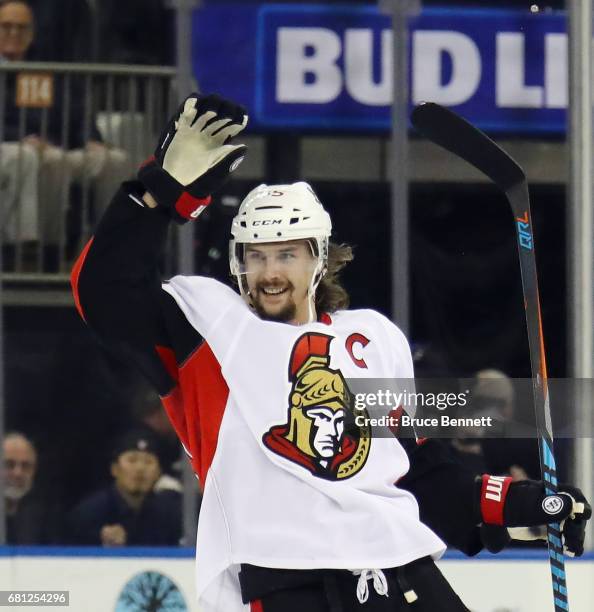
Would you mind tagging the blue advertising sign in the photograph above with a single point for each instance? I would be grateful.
(318, 67)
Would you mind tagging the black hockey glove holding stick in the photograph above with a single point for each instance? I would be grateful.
(501, 503)
(193, 158)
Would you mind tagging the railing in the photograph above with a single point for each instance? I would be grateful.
(69, 134)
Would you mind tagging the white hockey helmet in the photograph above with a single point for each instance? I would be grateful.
(278, 213)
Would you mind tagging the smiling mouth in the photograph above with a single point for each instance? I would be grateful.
(273, 291)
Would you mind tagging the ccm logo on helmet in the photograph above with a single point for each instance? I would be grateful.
(267, 222)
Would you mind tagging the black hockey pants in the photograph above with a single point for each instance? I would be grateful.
(275, 590)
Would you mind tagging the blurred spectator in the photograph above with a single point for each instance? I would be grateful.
(19, 164)
(468, 446)
(149, 414)
(504, 451)
(78, 155)
(16, 27)
(497, 449)
(469, 451)
(29, 519)
(493, 395)
(129, 512)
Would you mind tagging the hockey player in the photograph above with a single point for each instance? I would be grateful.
(299, 512)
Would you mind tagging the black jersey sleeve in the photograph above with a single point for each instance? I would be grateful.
(117, 288)
(444, 490)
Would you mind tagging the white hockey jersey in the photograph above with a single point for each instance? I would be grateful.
(289, 486)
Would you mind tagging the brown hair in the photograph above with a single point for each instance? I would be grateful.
(330, 294)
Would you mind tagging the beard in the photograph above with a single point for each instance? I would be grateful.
(284, 315)
(15, 492)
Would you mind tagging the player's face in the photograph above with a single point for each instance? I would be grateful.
(328, 428)
(20, 463)
(136, 472)
(278, 277)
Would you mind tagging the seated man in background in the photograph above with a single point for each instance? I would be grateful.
(28, 520)
(67, 153)
(129, 512)
(150, 417)
(510, 448)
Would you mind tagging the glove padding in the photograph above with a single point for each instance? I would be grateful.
(193, 159)
(525, 507)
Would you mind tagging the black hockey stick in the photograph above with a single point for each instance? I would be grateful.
(456, 135)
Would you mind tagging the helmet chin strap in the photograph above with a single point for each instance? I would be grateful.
(311, 318)
(245, 291)
(317, 275)
(311, 291)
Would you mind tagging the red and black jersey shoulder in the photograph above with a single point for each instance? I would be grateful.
(116, 284)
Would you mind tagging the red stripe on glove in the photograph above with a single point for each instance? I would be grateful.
(190, 207)
(493, 492)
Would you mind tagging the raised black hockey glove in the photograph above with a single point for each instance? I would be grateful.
(502, 503)
(193, 158)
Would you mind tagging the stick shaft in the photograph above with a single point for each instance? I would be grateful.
(461, 138)
(519, 200)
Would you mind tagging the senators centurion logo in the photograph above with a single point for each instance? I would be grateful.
(319, 434)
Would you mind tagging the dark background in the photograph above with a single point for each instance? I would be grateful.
(467, 313)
